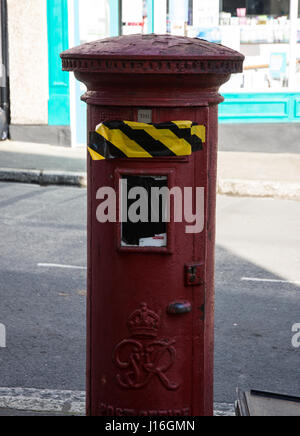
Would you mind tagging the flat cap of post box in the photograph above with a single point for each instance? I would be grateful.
(152, 54)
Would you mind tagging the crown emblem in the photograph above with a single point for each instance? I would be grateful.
(143, 322)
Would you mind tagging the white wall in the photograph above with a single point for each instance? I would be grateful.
(28, 61)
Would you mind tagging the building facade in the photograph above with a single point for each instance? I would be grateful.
(39, 91)
(44, 101)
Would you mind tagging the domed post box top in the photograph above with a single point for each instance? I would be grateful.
(152, 70)
(152, 54)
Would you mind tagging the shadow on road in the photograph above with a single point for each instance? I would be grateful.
(44, 313)
(253, 330)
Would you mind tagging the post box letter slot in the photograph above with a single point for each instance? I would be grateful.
(144, 217)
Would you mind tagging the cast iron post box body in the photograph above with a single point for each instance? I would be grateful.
(151, 308)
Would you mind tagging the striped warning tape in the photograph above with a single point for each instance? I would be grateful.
(126, 139)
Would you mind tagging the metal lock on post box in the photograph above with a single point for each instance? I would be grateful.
(153, 125)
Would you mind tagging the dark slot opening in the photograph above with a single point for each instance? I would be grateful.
(145, 234)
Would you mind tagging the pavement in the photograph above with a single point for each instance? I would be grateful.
(36, 402)
(267, 175)
(42, 164)
(241, 173)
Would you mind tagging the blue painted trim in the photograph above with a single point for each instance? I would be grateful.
(114, 17)
(150, 16)
(260, 108)
(76, 22)
(81, 110)
(297, 107)
(59, 84)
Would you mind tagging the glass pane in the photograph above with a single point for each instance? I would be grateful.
(93, 20)
(261, 30)
(134, 17)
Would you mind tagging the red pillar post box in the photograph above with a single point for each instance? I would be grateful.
(151, 285)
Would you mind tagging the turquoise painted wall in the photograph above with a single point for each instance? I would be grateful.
(114, 17)
(150, 13)
(260, 108)
(58, 41)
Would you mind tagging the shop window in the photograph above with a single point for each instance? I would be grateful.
(231, 6)
(93, 19)
(134, 17)
(261, 30)
(273, 8)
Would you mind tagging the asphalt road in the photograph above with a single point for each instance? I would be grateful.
(43, 307)
(258, 239)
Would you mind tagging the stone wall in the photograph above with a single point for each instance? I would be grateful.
(28, 61)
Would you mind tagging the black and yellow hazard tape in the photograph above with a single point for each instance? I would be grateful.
(126, 139)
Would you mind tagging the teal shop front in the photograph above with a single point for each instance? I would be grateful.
(273, 100)
(268, 107)
(58, 40)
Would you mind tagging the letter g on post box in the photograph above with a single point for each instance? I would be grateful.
(150, 282)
